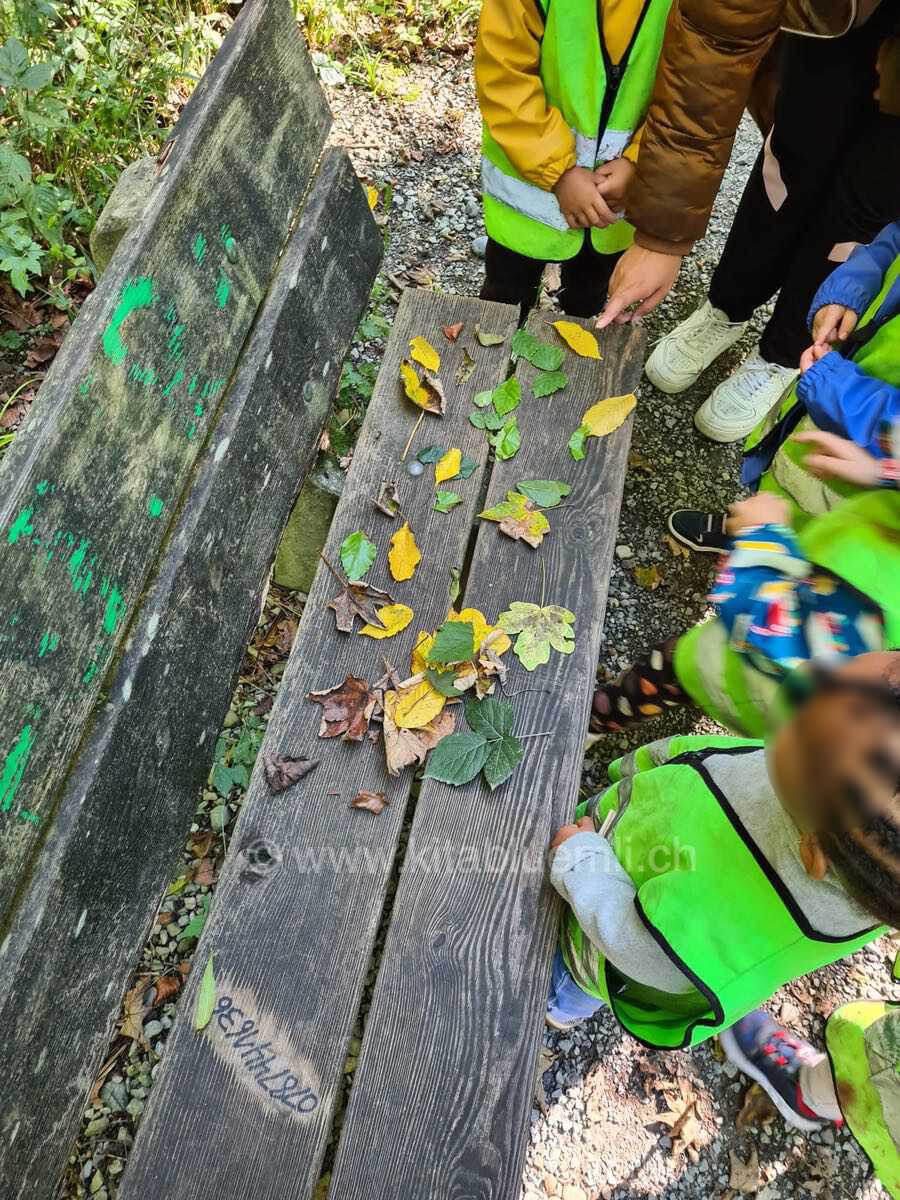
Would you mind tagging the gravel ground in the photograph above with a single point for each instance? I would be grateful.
(597, 1130)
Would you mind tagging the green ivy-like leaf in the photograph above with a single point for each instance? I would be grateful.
(487, 418)
(546, 493)
(457, 759)
(357, 555)
(549, 382)
(505, 755)
(444, 501)
(454, 642)
(576, 442)
(507, 396)
(489, 717)
(431, 454)
(506, 443)
(538, 353)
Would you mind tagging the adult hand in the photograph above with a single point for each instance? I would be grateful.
(580, 200)
(761, 509)
(812, 354)
(643, 278)
(838, 458)
(833, 323)
(585, 825)
(613, 179)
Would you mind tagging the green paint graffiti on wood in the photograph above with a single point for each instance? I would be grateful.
(49, 642)
(14, 767)
(136, 294)
(155, 506)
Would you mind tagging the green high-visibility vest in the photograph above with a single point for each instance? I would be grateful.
(788, 476)
(602, 102)
(708, 896)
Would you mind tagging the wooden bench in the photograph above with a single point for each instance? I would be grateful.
(439, 1103)
(140, 509)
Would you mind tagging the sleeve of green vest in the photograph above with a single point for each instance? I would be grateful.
(533, 135)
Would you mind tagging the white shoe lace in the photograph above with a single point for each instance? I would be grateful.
(693, 342)
(753, 375)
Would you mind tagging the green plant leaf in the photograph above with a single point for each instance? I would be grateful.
(444, 501)
(13, 63)
(549, 382)
(576, 442)
(443, 682)
(37, 76)
(506, 443)
(546, 493)
(489, 717)
(538, 631)
(483, 399)
(194, 927)
(466, 467)
(454, 642)
(205, 1003)
(431, 454)
(507, 396)
(357, 555)
(505, 755)
(538, 353)
(489, 339)
(457, 759)
(487, 419)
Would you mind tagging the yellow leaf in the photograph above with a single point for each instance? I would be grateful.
(480, 629)
(420, 653)
(394, 617)
(580, 340)
(372, 196)
(428, 393)
(423, 352)
(607, 415)
(404, 555)
(417, 706)
(448, 466)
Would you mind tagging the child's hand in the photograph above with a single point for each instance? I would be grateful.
(580, 200)
(585, 825)
(613, 179)
(812, 354)
(833, 323)
(761, 509)
(837, 458)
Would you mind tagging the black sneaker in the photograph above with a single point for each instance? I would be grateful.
(773, 1057)
(700, 531)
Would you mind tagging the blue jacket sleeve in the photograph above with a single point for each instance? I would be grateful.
(858, 281)
(842, 399)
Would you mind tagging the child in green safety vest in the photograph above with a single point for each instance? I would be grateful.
(563, 89)
(715, 869)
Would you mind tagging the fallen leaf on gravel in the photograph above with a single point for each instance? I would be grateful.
(358, 600)
(447, 467)
(283, 772)
(757, 1109)
(346, 709)
(166, 987)
(465, 368)
(373, 802)
(372, 196)
(388, 498)
(134, 1011)
(582, 341)
(203, 872)
(639, 462)
(422, 352)
(206, 998)
(417, 706)
(201, 843)
(404, 555)
(489, 339)
(394, 617)
(675, 548)
(538, 630)
(420, 275)
(403, 747)
(452, 332)
(683, 1125)
(744, 1176)
(648, 577)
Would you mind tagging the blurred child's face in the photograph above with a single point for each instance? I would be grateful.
(839, 735)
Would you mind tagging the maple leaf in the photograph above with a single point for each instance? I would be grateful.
(388, 498)
(346, 709)
(582, 341)
(538, 631)
(403, 747)
(393, 618)
(283, 772)
(373, 802)
(519, 518)
(422, 351)
(404, 555)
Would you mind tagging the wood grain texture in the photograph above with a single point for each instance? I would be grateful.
(92, 483)
(442, 1092)
(129, 800)
(299, 900)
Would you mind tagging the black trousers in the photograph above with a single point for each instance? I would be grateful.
(839, 159)
(513, 278)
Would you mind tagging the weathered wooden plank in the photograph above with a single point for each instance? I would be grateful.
(91, 485)
(462, 987)
(292, 936)
(129, 800)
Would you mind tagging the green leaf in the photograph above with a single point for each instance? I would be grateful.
(546, 493)
(576, 442)
(487, 419)
(13, 62)
(431, 454)
(357, 555)
(194, 927)
(506, 443)
(483, 399)
(489, 717)
(457, 759)
(512, 506)
(507, 396)
(538, 353)
(443, 682)
(489, 339)
(539, 630)
(206, 998)
(549, 382)
(505, 755)
(444, 501)
(466, 467)
(454, 642)
(454, 588)
(37, 76)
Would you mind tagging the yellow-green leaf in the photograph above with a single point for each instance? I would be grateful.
(394, 618)
(423, 352)
(580, 340)
(448, 466)
(372, 196)
(206, 997)
(607, 415)
(404, 555)
(427, 393)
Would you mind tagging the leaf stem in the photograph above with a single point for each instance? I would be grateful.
(523, 736)
(543, 581)
(412, 435)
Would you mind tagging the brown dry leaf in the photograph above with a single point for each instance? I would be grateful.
(420, 275)
(201, 843)
(403, 747)
(744, 1175)
(757, 1109)
(203, 872)
(390, 678)
(167, 986)
(134, 1010)
(346, 709)
(42, 350)
(638, 462)
(165, 918)
(373, 802)
(358, 600)
(452, 332)
(283, 772)
(388, 498)
(648, 577)
(675, 548)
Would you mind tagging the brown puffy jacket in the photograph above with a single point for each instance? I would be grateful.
(711, 55)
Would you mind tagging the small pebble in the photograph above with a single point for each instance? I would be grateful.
(415, 467)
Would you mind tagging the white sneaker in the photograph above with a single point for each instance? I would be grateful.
(737, 406)
(684, 354)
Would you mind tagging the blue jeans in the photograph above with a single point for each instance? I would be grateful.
(568, 1002)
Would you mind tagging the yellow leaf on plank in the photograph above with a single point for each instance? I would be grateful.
(394, 617)
(372, 196)
(417, 706)
(580, 340)
(480, 629)
(423, 352)
(428, 393)
(420, 653)
(607, 415)
(404, 555)
(448, 466)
